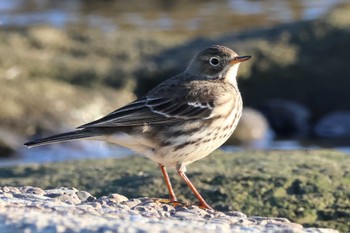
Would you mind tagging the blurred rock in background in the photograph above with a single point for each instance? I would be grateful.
(64, 64)
(252, 131)
(287, 118)
(334, 125)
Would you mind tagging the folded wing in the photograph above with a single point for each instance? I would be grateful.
(153, 111)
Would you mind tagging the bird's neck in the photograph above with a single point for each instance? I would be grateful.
(230, 75)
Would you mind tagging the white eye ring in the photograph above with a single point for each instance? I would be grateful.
(214, 61)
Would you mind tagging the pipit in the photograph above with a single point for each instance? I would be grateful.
(181, 120)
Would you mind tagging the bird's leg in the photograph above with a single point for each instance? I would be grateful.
(168, 183)
(181, 169)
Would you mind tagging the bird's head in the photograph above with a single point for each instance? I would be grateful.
(216, 62)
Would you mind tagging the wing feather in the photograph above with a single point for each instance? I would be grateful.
(153, 111)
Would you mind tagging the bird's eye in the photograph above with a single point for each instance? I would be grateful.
(214, 61)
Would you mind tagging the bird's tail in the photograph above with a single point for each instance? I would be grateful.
(77, 134)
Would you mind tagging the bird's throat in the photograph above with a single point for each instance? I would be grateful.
(230, 74)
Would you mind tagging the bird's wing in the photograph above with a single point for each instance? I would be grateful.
(153, 111)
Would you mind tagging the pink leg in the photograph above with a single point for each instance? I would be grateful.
(168, 183)
(202, 202)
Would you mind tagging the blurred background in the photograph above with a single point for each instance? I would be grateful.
(64, 63)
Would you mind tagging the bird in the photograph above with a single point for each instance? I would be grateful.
(181, 120)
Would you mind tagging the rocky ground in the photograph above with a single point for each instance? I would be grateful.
(32, 209)
(310, 188)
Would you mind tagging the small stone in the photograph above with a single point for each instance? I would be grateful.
(8, 195)
(151, 214)
(123, 207)
(184, 214)
(132, 203)
(84, 196)
(140, 208)
(66, 198)
(36, 191)
(146, 201)
(236, 214)
(153, 206)
(96, 205)
(53, 195)
(107, 231)
(181, 208)
(117, 198)
(263, 222)
(218, 214)
(246, 221)
(197, 210)
(284, 220)
(63, 190)
(273, 222)
(168, 208)
(66, 195)
(220, 220)
(165, 214)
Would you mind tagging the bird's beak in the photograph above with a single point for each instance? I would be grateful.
(240, 59)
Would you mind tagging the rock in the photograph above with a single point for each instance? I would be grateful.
(9, 142)
(25, 211)
(287, 118)
(9, 190)
(66, 195)
(113, 199)
(84, 196)
(252, 131)
(6, 150)
(334, 125)
(117, 198)
(132, 202)
(35, 190)
(235, 214)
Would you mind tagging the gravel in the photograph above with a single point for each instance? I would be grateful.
(31, 209)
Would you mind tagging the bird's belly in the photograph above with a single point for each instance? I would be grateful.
(181, 148)
(189, 148)
(139, 144)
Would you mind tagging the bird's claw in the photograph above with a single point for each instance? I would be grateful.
(176, 203)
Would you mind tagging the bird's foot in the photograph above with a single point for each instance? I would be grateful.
(204, 206)
(174, 203)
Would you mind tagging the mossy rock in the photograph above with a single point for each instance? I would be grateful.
(308, 187)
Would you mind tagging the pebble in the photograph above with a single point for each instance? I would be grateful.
(235, 214)
(117, 198)
(84, 196)
(36, 191)
(31, 209)
(132, 202)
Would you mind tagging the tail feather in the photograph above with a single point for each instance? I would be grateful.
(77, 134)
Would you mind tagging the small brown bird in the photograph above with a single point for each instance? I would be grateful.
(181, 120)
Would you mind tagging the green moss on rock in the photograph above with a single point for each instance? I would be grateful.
(309, 187)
